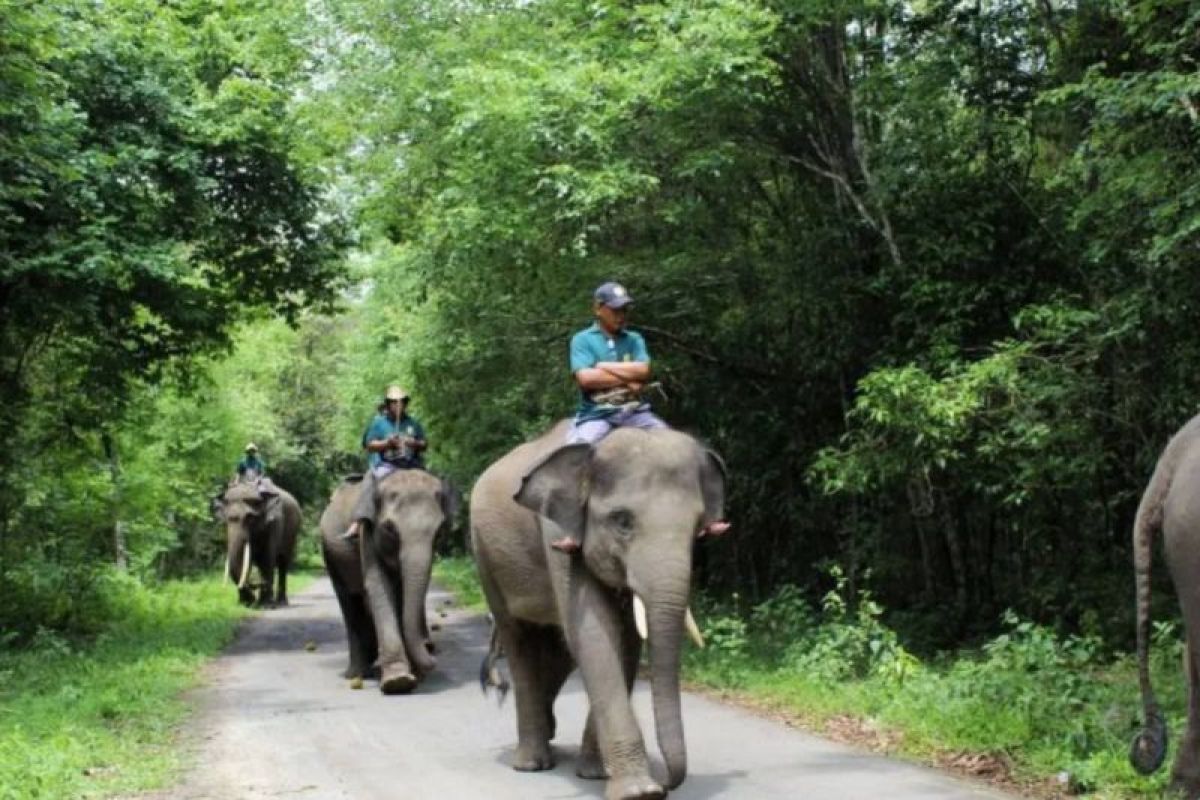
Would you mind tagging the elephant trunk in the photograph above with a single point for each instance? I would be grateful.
(414, 580)
(665, 617)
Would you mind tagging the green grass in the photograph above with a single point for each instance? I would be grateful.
(457, 573)
(100, 718)
(1034, 703)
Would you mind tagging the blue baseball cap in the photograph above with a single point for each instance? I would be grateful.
(612, 294)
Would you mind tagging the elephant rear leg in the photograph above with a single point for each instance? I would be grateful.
(556, 665)
(1185, 773)
(358, 628)
(534, 689)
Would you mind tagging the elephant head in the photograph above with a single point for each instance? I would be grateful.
(413, 507)
(244, 508)
(637, 501)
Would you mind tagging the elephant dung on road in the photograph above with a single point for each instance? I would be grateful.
(262, 523)
(636, 501)
(1171, 504)
(382, 576)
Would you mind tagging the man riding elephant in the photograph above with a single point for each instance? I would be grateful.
(393, 440)
(380, 565)
(251, 462)
(611, 366)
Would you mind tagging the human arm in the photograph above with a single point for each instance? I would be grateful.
(593, 374)
(416, 437)
(610, 374)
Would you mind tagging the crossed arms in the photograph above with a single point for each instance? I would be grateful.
(610, 374)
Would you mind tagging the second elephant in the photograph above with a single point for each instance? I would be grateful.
(382, 576)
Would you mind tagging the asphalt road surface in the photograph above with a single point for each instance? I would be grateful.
(276, 720)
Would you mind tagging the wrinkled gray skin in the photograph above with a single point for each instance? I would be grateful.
(381, 578)
(270, 520)
(637, 499)
(1171, 504)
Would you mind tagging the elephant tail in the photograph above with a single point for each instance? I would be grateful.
(489, 671)
(1148, 749)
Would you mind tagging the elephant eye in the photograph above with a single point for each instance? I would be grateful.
(622, 520)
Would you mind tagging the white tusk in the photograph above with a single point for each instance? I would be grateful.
(245, 566)
(693, 629)
(639, 616)
(226, 574)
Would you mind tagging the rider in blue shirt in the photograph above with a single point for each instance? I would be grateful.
(393, 440)
(611, 366)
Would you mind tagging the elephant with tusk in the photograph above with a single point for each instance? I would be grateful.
(636, 500)
(262, 523)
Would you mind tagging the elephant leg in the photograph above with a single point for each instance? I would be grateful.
(598, 633)
(281, 598)
(356, 620)
(534, 690)
(396, 675)
(266, 593)
(1185, 773)
(591, 764)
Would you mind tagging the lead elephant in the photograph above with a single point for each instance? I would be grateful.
(1171, 504)
(262, 523)
(637, 501)
(381, 577)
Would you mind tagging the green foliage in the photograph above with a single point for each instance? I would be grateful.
(93, 719)
(1046, 703)
(457, 573)
(913, 269)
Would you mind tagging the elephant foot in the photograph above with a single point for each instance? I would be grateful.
(533, 759)
(282, 602)
(397, 680)
(633, 787)
(590, 766)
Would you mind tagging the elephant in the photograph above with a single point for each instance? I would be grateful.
(381, 576)
(1171, 505)
(636, 501)
(262, 522)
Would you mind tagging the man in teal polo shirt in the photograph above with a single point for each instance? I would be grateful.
(611, 365)
(393, 440)
(251, 462)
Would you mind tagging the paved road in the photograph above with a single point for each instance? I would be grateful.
(277, 721)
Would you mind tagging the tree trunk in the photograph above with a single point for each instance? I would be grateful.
(120, 550)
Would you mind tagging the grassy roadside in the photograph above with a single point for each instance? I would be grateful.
(457, 573)
(1031, 711)
(99, 718)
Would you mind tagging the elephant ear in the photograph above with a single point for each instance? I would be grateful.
(713, 476)
(450, 498)
(557, 487)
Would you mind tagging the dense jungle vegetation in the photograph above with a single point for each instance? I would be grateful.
(926, 273)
